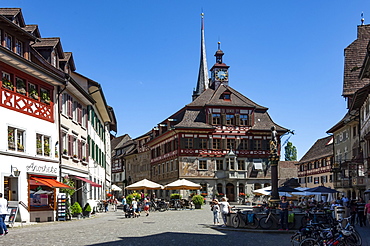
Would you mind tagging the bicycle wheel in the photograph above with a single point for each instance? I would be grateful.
(296, 239)
(355, 237)
(309, 242)
(235, 221)
(265, 223)
(254, 224)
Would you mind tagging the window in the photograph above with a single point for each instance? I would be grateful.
(19, 48)
(230, 119)
(243, 145)
(230, 144)
(354, 131)
(257, 144)
(231, 163)
(16, 139)
(8, 41)
(7, 82)
(75, 111)
(202, 165)
(33, 91)
(241, 165)
(42, 145)
(316, 180)
(220, 164)
(216, 143)
(203, 143)
(188, 143)
(216, 119)
(243, 119)
(227, 96)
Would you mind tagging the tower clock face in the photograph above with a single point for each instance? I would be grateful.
(221, 75)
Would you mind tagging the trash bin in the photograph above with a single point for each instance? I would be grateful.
(339, 212)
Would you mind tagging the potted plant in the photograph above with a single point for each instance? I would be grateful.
(45, 97)
(34, 94)
(198, 201)
(7, 84)
(65, 152)
(175, 196)
(76, 210)
(87, 210)
(21, 87)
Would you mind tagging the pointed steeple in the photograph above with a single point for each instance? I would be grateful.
(203, 80)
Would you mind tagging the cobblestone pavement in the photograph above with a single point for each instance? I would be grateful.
(184, 227)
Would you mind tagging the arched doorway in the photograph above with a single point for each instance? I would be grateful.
(230, 192)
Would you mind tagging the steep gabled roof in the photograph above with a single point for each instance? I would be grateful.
(68, 58)
(13, 14)
(354, 57)
(33, 29)
(192, 118)
(322, 148)
(50, 42)
(211, 97)
(263, 121)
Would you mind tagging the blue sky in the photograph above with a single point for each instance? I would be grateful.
(284, 55)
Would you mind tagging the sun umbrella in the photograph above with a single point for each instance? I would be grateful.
(182, 184)
(322, 190)
(115, 187)
(144, 185)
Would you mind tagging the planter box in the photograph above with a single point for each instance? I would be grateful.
(197, 206)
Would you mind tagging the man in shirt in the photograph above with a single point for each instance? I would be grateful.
(3, 213)
(367, 211)
(360, 208)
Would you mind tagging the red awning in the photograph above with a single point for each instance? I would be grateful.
(89, 181)
(50, 183)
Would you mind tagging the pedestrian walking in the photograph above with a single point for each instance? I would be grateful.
(146, 206)
(215, 208)
(283, 206)
(360, 210)
(124, 204)
(105, 202)
(134, 208)
(114, 203)
(225, 210)
(3, 213)
(367, 212)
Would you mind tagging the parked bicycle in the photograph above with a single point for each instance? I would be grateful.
(267, 221)
(160, 206)
(317, 217)
(250, 220)
(335, 234)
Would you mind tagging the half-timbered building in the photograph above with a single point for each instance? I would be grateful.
(220, 139)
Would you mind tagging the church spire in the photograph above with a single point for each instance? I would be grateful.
(203, 80)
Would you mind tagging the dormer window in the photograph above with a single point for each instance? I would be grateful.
(19, 48)
(226, 96)
(8, 41)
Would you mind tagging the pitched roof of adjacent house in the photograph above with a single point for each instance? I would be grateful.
(12, 13)
(354, 58)
(33, 29)
(322, 148)
(50, 42)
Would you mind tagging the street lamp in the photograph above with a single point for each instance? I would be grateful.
(274, 160)
(15, 171)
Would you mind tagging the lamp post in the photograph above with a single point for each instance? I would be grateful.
(274, 160)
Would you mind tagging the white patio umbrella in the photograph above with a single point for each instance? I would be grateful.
(182, 184)
(116, 188)
(144, 185)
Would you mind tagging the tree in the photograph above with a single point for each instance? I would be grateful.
(290, 152)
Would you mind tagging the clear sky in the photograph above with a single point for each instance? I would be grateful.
(284, 55)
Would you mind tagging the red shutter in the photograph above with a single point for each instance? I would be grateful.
(79, 113)
(87, 151)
